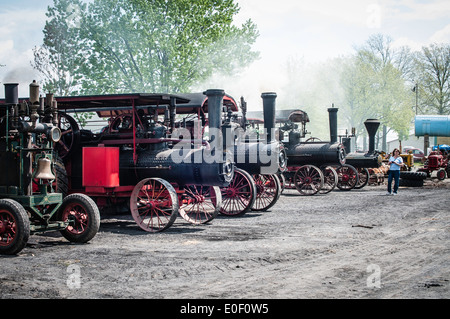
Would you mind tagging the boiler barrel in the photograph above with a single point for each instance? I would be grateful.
(260, 158)
(316, 153)
(175, 166)
(359, 160)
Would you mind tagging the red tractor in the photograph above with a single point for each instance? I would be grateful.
(437, 161)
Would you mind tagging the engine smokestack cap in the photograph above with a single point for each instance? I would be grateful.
(219, 92)
(11, 93)
(372, 126)
(268, 95)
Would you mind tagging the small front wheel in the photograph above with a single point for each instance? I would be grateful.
(238, 197)
(268, 191)
(83, 216)
(308, 180)
(348, 177)
(330, 180)
(200, 204)
(363, 177)
(441, 174)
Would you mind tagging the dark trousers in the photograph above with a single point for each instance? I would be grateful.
(396, 176)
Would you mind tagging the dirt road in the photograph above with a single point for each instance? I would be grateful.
(345, 244)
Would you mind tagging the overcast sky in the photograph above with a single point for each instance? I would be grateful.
(315, 30)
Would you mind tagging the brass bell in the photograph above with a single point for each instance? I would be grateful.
(44, 170)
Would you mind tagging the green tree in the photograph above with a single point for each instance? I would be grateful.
(356, 81)
(433, 77)
(313, 88)
(376, 86)
(153, 45)
(55, 59)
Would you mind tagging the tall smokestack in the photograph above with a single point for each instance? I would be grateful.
(372, 127)
(269, 114)
(215, 103)
(11, 93)
(332, 115)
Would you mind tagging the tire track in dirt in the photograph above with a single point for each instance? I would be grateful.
(304, 247)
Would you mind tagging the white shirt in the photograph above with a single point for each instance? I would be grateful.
(396, 163)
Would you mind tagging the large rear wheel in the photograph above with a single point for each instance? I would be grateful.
(154, 204)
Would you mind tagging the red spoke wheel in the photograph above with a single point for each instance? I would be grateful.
(348, 177)
(308, 180)
(363, 177)
(268, 191)
(239, 197)
(200, 204)
(14, 227)
(154, 204)
(83, 216)
(330, 180)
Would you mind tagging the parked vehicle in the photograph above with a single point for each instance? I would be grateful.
(142, 161)
(313, 166)
(29, 201)
(437, 161)
(417, 153)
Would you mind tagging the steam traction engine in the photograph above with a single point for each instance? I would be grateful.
(313, 166)
(258, 158)
(28, 200)
(255, 185)
(144, 158)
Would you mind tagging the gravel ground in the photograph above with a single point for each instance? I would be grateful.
(358, 244)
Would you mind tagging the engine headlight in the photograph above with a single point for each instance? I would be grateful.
(282, 160)
(228, 168)
(55, 134)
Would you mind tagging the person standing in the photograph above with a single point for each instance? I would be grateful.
(395, 162)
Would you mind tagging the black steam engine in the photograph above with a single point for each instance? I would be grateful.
(29, 202)
(258, 158)
(148, 157)
(313, 166)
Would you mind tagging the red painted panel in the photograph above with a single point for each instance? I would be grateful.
(101, 166)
